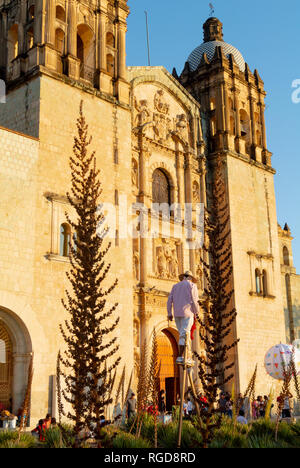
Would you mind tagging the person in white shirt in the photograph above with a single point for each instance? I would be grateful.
(184, 299)
(241, 418)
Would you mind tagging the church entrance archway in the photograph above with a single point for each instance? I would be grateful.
(169, 375)
(15, 355)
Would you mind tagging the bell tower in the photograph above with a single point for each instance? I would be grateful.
(82, 40)
(232, 101)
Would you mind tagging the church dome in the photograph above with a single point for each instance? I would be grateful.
(213, 37)
(209, 49)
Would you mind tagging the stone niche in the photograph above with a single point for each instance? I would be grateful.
(167, 258)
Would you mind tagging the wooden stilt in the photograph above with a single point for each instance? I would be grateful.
(182, 394)
(194, 392)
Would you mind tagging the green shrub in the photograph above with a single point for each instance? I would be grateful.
(168, 435)
(8, 439)
(230, 436)
(265, 441)
(54, 438)
(125, 440)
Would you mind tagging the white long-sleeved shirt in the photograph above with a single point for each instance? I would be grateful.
(184, 299)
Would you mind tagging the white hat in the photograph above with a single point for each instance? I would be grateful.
(186, 274)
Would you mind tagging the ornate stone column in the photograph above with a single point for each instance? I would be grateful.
(39, 22)
(20, 371)
(122, 51)
(143, 153)
(237, 115)
(51, 22)
(72, 29)
(102, 44)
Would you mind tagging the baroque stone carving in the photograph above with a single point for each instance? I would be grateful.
(199, 269)
(196, 194)
(134, 172)
(136, 266)
(181, 126)
(143, 112)
(166, 258)
(160, 103)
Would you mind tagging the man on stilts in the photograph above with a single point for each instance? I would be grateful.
(184, 299)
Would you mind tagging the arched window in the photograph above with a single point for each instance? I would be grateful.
(30, 38)
(161, 190)
(245, 124)
(12, 43)
(65, 239)
(286, 256)
(86, 52)
(31, 13)
(110, 63)
(59, 40)
(213, 126)
(258, 138)
(110, 39)
(265, 283)
(258, 281)
(212, 103)
(60, 13)
(232, 125)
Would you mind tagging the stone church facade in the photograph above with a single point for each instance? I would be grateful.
(155, 135)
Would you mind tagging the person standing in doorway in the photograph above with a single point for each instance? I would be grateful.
(184, 299)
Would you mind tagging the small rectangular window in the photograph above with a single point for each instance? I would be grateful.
(116, 198)
(116, 156)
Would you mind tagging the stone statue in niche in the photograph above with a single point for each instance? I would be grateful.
(166, 259)
(181, 126)
(143, 115)
(161, 262)
(134, 173)
(161, 127)
(136, 333)
(196, 194)
(199, 269)
(136, 266)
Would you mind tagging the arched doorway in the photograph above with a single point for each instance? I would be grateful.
(86, 51)
(6, 368)
(14, 337)
(169, 376)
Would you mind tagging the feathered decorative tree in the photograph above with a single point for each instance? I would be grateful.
(89, 359)
(219, 315)
(153, 382)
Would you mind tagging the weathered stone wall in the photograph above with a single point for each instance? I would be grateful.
(253, 223)
(21, 111)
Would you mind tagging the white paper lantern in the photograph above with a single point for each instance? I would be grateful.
(279, 355)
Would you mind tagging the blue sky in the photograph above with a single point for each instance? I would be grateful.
(268, 35)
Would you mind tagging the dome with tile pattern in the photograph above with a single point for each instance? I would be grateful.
(213, 38)
(209, 49)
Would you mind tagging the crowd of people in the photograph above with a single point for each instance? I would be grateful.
(254, 410)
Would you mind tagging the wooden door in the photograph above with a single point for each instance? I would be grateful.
(5, 368)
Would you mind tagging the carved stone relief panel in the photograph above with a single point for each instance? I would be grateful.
(199, 269)
(166, 117)
(166, 258)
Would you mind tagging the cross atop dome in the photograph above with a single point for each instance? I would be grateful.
(213, 30)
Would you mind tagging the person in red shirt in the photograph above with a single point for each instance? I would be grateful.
(40, 430)
(47, 421)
